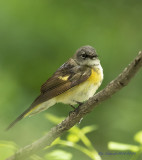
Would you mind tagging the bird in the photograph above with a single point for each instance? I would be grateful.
(73, 83)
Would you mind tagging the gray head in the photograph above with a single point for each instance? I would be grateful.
(86, 55)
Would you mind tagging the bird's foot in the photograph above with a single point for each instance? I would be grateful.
(71, 112)
(76, 110)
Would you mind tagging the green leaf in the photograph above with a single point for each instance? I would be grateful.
(81, 136)
(73, 138)
(54, 119)
(122, 147)
(75, 130)
(88, 129)
(58, 155)
(7, 149)
(138, 137)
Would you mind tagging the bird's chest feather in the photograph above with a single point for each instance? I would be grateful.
(88, 88)
(95, 77)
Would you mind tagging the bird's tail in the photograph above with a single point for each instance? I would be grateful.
(24, 114)
(30, 111)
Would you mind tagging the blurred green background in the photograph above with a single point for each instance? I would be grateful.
(37, 36)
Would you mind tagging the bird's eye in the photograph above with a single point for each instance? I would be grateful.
(83, 55)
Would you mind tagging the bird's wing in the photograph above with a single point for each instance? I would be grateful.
(61, 76)
(63, 79)
(66, 77)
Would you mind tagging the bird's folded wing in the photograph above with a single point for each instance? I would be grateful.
(61, 82)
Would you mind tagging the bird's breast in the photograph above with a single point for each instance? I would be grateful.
(96, 76)
(83, 91)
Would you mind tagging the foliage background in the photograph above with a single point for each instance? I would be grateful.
(37, 36)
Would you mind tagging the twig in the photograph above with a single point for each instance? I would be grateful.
(114, 86)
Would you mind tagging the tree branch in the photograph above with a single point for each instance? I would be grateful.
(75, 116)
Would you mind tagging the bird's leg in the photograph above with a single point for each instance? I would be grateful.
(72, 106)
(79, 103)
(75, 109)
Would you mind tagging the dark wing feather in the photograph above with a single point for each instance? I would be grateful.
(55, 86)
(67, 69)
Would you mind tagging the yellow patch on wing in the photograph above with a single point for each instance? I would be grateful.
(95, 76)
(65, 78)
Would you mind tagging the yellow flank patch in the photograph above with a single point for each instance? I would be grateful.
(28, 113)
(63, 78)
(95, 76)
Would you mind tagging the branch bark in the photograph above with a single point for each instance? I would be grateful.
(75, 116)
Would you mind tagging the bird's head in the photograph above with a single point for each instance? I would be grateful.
(86, 55)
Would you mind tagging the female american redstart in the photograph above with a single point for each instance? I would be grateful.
(74, 82)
